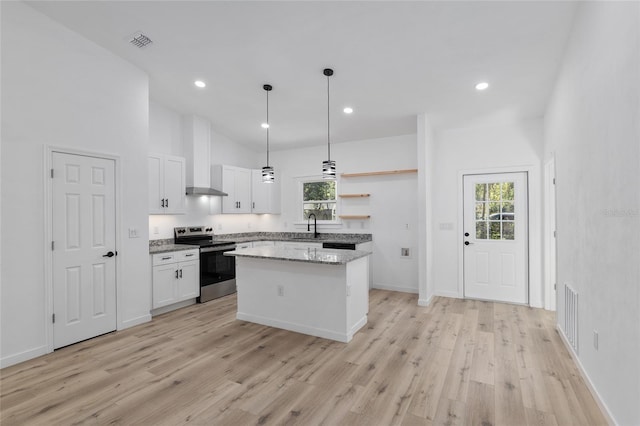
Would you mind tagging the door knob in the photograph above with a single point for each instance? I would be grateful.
(466, 243)
(110, 254)
(466, 234)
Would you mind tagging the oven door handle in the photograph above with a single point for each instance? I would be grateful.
(219, 248)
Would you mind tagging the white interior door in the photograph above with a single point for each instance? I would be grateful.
(83, 229)
(496, 237)
(550, 234)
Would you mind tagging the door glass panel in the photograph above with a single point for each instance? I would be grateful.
(481, 191)
(481, 211)
(481, 230)
(507, 190)
(507, 230)
(495, 211)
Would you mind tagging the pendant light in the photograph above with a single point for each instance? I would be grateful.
(328, 166)
(268, 175)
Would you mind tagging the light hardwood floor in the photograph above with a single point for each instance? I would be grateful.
(455, 362)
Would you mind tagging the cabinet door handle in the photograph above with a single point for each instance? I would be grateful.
(166, 258)
(167, 203)
(188, 255)
(163, 202)
(253, 205)
(176, 273)
(180, 273)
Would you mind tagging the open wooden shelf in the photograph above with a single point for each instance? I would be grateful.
(354, 216)
(353, 195)
(387, 172)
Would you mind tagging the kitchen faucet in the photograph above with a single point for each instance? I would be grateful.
(315, 225)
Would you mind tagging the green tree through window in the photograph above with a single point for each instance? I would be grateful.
(319, 198)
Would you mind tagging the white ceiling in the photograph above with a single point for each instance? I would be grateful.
(393, 60)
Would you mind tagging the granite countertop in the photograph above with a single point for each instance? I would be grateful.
(302, 237)
(167, 247)
(310, 255)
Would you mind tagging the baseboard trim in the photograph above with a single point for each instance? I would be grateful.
(23, 356)
(135, 321)
(450, 294)
(305, 329)
(603, 407)
(395, 288)
(425, 302)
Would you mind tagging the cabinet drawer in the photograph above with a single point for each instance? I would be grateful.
(164, 258)
(182, 256)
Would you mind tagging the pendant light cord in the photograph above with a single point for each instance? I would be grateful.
(328, 123)
(268, 128)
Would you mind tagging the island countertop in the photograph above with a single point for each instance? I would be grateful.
(310, 255)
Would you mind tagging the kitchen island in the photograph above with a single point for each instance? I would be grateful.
(320, 292)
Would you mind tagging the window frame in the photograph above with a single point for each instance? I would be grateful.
(300, 220)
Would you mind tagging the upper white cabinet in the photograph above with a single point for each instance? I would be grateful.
(236, 182)
(247, 192)
(166, 184)
(265, 197)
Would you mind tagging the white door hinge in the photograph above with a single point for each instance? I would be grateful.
(554, 286)
(53, 318)
(554, 181)
(555, 234)
(53, 245)
(51, 173)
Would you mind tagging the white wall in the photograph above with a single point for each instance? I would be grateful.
(393, 203)
(426, 175)
(62, 90)
(166, 137)
(515, 146)
(593, 127)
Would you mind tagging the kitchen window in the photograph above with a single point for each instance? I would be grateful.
(319, 197)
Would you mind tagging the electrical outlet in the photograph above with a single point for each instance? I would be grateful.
(219, 227)
(280, 290)
(595, 339)
(156, 230)
(133, 233)
(404, 252)
(406, 226)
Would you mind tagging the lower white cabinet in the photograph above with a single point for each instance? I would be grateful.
(175, 277)
(299, 244)
(263, 244)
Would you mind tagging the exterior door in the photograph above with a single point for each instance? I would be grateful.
(496, 237)
(83, 229)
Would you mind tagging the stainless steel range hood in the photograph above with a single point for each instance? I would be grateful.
(197, 148)
(199, 190)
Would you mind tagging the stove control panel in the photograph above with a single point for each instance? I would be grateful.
(193, 231)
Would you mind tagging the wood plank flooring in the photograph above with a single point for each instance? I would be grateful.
(456, 362)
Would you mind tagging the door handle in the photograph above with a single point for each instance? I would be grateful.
(167, 203)
(466, 234)
(176, 273)
(466, 243)
(110, 254)
(163, 202)
(180, 273)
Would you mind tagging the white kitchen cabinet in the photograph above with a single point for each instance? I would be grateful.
(236, 182)
(175, 277)
(166, 184)
(265, 197)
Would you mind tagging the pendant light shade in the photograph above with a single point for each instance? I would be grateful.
(268, 174)
(328, 166)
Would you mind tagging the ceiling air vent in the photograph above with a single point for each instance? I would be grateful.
(140, 40)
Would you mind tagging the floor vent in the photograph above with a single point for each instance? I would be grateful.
(571, 316)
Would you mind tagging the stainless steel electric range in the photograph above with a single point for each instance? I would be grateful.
(217, 272)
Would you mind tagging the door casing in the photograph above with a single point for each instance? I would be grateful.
(534, 261)
(48, 233)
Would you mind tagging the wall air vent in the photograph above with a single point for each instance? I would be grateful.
(140, 40)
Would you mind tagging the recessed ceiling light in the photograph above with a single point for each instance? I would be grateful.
(482, 86)
(265, 125)
(200, 83)
(348, 110)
